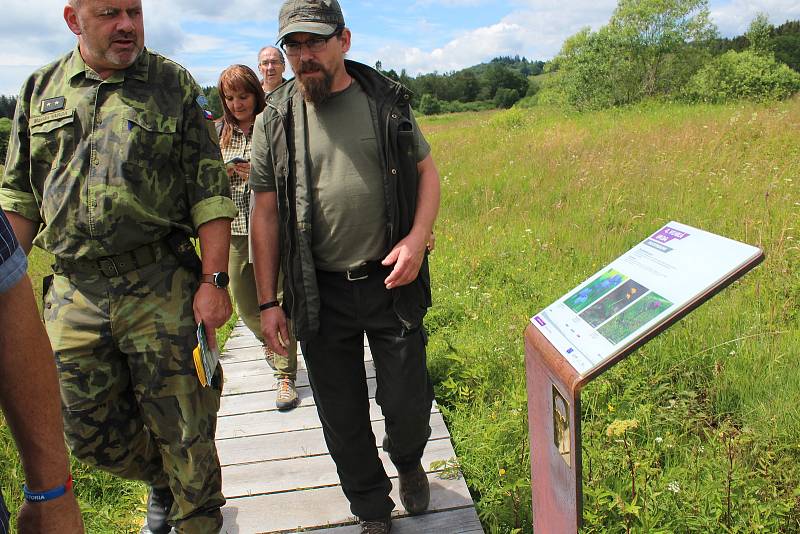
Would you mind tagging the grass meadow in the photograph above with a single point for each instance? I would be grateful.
(699, 431)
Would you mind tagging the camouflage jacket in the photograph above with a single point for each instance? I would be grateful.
(106, 166)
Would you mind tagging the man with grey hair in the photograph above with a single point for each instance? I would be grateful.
(346, 197)
(271, 65)
(111, 166)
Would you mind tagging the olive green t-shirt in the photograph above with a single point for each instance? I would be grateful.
(346, 179)
(349, 210)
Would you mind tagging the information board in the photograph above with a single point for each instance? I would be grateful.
(644, 290)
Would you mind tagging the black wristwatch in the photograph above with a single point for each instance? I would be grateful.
(219, 279)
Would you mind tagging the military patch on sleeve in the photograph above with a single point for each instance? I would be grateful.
(53, 104)
(202, 101)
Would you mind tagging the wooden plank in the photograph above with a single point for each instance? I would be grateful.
(265, 400)
(461, 520)
(244, 369)
(238, 340)
(265, 381)
(319, 507)
(277, 474)
(261, 401)
(255, 353)
(307, 472)
(243, 354)
(297, 443)
(271, 422)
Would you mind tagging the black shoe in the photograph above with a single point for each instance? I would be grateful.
(377, 526)
(159, 503)
(415, 492)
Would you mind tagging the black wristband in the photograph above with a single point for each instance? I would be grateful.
(268, 305)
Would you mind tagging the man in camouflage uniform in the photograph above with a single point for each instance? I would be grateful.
(110, 155)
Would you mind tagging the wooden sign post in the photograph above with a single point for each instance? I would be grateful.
(554, 424)
(595, 326)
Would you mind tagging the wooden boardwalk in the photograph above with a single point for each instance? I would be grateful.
(277, 473)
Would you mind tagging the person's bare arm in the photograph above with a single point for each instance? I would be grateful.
(24, 229)
(30, 399)
(266, 264)
(212, 305)
(407, 255)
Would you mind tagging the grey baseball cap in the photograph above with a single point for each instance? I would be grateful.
(322, 17)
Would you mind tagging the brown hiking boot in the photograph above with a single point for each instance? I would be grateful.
(415, 492)
(287, 398)
(377, 527)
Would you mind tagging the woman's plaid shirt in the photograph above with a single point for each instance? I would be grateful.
(240, 187)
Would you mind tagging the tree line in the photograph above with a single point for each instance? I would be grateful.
(648, 49)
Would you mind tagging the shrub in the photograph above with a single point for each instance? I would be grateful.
(742, 75)
(457, 107)
(505, 97)
(511, 119)
(430, 105)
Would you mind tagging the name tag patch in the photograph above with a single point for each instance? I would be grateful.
(53, 116)
(53, 104)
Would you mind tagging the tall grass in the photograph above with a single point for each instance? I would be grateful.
(536, 200)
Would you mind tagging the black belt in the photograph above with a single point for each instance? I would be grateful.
(119, 264)
(360, 272)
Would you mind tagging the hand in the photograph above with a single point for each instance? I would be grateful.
(407, 258)
(431, 242)
(243, 170)
(59, 516)
(238, 171)
(275, 330)
(212, 306)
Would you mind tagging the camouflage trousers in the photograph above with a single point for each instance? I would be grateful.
(245, 297)
(132, 403)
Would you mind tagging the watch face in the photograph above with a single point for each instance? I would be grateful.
(221, 279)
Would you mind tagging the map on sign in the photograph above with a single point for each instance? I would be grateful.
(662, 277)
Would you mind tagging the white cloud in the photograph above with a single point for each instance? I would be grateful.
(733, 18)
(536, 30)
(230, 10)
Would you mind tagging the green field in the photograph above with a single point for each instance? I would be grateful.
(699, 431)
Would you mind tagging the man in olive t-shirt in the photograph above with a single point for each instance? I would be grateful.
(343, 176)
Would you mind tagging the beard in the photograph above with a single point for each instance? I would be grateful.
(314, 90)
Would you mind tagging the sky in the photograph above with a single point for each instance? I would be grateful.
(420, 36)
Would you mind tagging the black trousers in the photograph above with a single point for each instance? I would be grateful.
(335, 362)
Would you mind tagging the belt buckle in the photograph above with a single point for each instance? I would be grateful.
(355, 277)
(108, 267)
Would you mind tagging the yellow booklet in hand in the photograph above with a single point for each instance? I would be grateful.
(205, 358)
